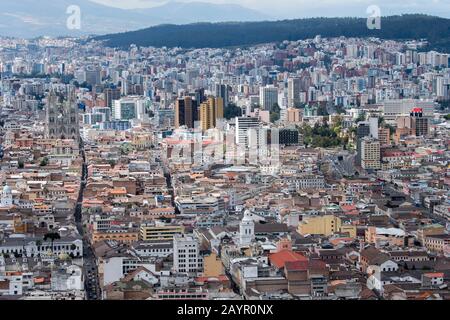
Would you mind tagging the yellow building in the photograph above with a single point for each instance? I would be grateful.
(429, 230)
(213, 266)
(293, 116)
(159, 232)
(210, 111)
(350, 229)
(323, 225)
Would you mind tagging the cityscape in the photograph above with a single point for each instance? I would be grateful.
(301, 169)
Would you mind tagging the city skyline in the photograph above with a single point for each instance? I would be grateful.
(245, 164)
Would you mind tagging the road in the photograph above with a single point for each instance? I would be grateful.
(90, 269)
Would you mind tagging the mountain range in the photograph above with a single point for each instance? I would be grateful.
(31, 18)
(201, 35)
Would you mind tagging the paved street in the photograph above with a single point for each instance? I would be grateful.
(90, 269)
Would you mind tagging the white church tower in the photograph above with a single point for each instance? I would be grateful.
(7, 198)
(247, 229)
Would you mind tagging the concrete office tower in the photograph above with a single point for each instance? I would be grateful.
(362, 131)
(186, 112)
(128, 108)
(373, 125)
(111, 94)
(396, 108)
(294, 88)
(62, 117)
(268, 97)
(210, 112)
(370, 154)
(419, 122)
(186, 255)
(384, 135)
(93, 75)
(243, 124)
(222, 91)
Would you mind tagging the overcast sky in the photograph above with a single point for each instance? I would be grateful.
(306, 8)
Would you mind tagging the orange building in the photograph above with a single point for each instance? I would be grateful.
(125, 236)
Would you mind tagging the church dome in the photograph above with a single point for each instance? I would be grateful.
(247, 216)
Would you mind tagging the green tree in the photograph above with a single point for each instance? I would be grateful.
(275, 113)
(52, 236)
(44, 162)
(232, 111)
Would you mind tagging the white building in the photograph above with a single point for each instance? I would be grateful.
(243, 124)
(118, 266)
(186, 255)
(396, 108)
(6, 198)
(246, 229)
(129, 108)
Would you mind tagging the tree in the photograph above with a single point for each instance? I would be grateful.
(275, 113)
(52, 236)
(44, 162)
(232, 111)
(361, 117)
(20, 164)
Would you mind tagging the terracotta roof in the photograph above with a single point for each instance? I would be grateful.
(279, 259)
(434, 274)
(296, 265)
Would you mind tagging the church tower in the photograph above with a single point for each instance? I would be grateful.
(7, 198)
(62, 117)
(246, 229)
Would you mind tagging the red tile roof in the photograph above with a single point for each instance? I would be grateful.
(279, 259)
(296, 265)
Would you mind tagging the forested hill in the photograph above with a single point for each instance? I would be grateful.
(217, 35)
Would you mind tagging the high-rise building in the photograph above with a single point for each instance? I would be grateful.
(210, 111)
(186, 112)
(111, 94)
(128, 108)
(294, 88)
(396, 108)
(200, 96)
(268, 97)
(62, 118)
(373, 127)
(363, 130)
(293, 116)
(186, 255)
(419, 122)
(243, 125)
(370, 154)
(384, 135)
(222, 91)
(93, 75)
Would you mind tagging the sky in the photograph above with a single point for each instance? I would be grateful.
(307, 8)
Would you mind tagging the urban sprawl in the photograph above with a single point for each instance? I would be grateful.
(301, 170)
